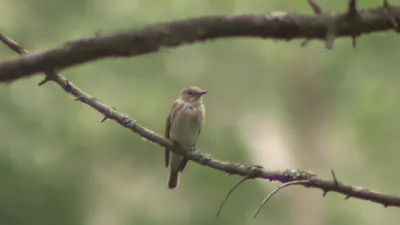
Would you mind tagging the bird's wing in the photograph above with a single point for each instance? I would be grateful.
(170, 119)
(201, 118)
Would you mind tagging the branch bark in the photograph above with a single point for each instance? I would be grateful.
(278, 25)
(304, 178)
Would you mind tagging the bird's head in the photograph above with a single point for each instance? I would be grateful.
(192, 94)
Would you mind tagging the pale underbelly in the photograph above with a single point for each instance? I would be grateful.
(185, 130)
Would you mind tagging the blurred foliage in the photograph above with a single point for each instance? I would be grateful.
(269, 103)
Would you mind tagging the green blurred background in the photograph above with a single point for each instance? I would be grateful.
(269, 103)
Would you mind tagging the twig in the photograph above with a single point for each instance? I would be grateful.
(230, 192)
(276, 190)
(12, 44)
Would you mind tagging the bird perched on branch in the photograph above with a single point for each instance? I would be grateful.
(183, 127)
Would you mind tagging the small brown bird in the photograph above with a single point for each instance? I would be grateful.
(183, 126)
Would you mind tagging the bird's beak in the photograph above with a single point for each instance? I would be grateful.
(202, 93)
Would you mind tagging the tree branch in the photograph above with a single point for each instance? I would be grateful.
(283, 176)
(284, 26)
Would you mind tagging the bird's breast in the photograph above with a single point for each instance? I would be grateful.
(186, 125)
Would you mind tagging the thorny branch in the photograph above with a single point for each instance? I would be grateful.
(284, 26)
(283, 176)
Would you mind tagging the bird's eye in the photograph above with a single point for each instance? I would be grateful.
(190, 93)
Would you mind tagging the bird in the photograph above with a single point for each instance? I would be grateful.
(183, 127)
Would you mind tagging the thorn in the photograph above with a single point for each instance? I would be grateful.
(329, 39)
(385, 4)
(385, 205)
(353, 38)
(104, 119)
(45, 80)
(330, 35)
(317, 10)
(324, 193)
(347, 197)
(50, 75)
(352, 10)
(230, 192)
(353, 16)
(334, 178)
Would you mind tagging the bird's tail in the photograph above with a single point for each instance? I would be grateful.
(174, 170)
(173, 178)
